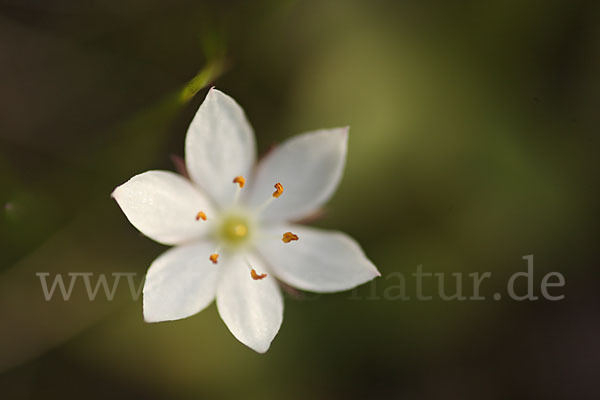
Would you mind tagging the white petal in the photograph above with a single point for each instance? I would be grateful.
(309, 166)
(163, 206)
(180, 282)
(219, 146)
(252, 310)
(319, 261)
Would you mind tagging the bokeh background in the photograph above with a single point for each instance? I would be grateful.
(474, 141)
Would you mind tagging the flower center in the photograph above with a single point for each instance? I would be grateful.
(234, 229)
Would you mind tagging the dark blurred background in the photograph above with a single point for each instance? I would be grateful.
(473, 142)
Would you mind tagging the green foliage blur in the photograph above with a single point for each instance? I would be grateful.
(473, 142)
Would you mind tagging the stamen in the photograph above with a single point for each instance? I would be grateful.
(214, 257)
(201, 216)
(257, 277)
(278, 190)
(288, 237)
(240, 180)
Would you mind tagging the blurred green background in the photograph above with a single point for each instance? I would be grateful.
(473, 142)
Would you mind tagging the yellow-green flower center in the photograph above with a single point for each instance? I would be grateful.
(234, 229)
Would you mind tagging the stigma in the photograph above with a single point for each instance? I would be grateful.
(278, 190)
(214, 257)
(256, 276)
(235, 229)
(288, 237)
(240, 180)
(201, 216)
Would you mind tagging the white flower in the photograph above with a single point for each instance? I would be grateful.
(232, 235)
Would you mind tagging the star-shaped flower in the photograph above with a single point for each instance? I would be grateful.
(230, 224)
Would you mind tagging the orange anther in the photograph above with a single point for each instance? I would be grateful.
(288, 237)
(201, 216)
(278, 190)
(240, 180)
(257, 277)
(214, 258)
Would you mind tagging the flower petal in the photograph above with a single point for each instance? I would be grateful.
(309, 166)
(251, 309)
(180, 282)
(163, 206)
(219, 146)
(319, 261)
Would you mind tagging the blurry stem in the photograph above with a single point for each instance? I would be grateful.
(104, 161)
(138, 140)
(132, 146)
(208, 74)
